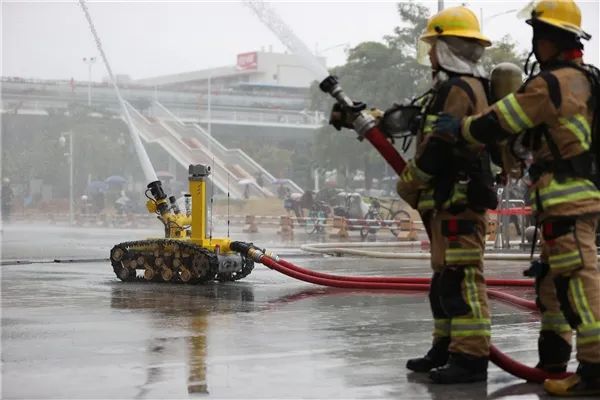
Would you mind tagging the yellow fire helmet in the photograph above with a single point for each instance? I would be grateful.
(454, 21)
(562, 14)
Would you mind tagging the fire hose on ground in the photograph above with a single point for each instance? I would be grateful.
(409, 284)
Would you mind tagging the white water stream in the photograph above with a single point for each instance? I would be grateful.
(147, 167)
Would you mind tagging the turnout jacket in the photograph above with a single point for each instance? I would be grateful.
(431, 179)
(554, 111)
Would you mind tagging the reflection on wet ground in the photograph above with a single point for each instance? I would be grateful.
(74, 331)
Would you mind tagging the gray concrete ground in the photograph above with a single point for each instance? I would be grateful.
(72, 330)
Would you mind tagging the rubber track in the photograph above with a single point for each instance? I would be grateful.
(192, 248)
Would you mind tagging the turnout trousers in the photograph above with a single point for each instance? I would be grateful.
(569, 288)
(457, 293)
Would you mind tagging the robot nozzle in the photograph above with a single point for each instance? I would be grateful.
(159, 195)
(157, 190)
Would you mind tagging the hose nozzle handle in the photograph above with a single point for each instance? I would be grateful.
(332, 86)
(328, 84)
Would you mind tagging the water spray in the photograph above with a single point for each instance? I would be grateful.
(147, 167)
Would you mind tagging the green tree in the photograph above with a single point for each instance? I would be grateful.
(504, 50)
(379, 74)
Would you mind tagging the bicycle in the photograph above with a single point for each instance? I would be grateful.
(317, 218)
(386, 218)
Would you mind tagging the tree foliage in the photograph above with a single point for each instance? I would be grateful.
(504, 50)
(379, 74)
(31, 149)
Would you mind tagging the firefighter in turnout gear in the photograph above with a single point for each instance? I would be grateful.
(451, 186)
(555, 115)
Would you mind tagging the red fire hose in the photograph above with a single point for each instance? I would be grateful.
(385, 148)
(398, 279)
(398, 283)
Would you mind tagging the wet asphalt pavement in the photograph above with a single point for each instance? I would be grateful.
(72, 330)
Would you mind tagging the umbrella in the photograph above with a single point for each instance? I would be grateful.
(246, 181)
(164, 174)
(97, 187)
(115, 180)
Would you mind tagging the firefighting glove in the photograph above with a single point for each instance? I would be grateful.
(343, 116)
(447, 123)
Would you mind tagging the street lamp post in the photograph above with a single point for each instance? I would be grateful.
(209, 100)
(62, 141)
(89, 61)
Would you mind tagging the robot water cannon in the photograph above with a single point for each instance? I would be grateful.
(186, 253)
(364, 124)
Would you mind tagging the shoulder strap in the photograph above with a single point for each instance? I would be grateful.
(551, 143)
(553, 87)
(444, 91)
(556, 98)
(551, 81)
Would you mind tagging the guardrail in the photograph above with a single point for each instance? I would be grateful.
(401, 229)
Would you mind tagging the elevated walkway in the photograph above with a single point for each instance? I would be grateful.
(233, 170)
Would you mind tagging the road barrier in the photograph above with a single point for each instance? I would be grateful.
(402, 229)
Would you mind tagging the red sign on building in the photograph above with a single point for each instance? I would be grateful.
(247, 61)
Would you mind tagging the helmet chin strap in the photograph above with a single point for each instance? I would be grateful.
(530, 66)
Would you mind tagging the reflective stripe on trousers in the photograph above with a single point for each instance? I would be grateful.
(556, 322)
(441, 327)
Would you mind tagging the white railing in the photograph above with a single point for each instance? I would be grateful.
(230, 156)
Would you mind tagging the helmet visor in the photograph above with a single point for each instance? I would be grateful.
(423, 49)
(525, 12)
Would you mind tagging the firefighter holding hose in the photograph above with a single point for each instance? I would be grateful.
(451, 186)
(555, 115)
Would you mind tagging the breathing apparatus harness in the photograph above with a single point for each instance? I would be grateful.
(461, 165)
(584, 165)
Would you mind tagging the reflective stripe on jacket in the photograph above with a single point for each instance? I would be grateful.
(566, 113)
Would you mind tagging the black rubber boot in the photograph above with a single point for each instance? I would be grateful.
(435, 357)
(554, 352)
(461, 368)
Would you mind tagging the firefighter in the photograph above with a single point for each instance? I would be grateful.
(451, 186)
(555, 116)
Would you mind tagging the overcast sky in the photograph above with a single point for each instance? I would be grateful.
(48, 39)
